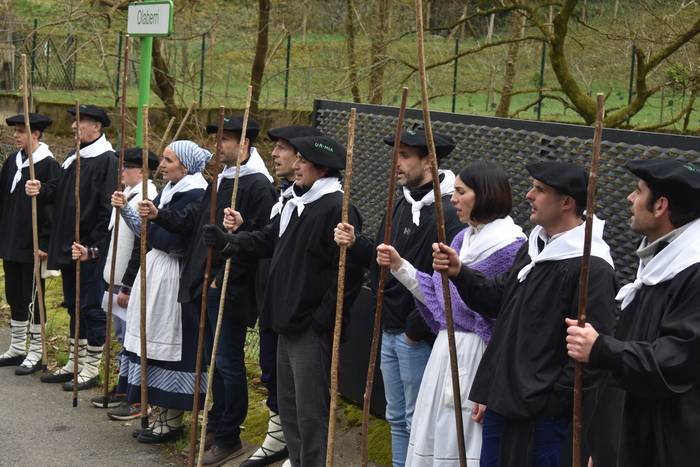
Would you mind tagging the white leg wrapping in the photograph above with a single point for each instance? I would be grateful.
(90, 364)
(34, 355)
(274, 439)
(82, 352)
(18, 342)
(167, 421)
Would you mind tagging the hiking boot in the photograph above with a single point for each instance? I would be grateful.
(217, 455)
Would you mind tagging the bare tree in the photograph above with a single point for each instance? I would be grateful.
(261, 46)
(163, 83)
(378, 52)
(350, 45)
(517, 25)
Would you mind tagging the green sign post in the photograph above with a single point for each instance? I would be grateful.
(146, 20)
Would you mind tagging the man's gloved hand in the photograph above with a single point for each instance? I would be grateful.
(215, 237)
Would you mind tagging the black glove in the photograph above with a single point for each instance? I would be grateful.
(215, 237)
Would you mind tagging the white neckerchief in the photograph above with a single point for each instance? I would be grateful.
(255, 165)
(482, 241)
(568, 245)
(186, 183)
(133, 190)
(285, 195)
(681, 253)
(94, 149)
(319, 189)
(447, 186)
(41, 153)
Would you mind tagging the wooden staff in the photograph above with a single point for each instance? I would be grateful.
(144, 238)
(35, 220)
(165, 136)
(203, 308)
(374, 347)
(190, 109)
(115, 231)
(340, 295)
(227, 270)
(440, 219)
(76, 313)
(585, 269)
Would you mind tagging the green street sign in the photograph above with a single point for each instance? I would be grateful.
(150, 18)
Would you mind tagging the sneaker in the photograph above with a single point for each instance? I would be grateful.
(125, 411)
(113, 400)
(217, 455)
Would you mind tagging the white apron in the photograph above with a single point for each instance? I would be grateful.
(163, 311)
(433, 440)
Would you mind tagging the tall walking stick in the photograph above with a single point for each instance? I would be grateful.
(374, 347)
(144, 238)
(115, 231)
(585, 268)
(440, 218)
(203, 307)
(340, 295)
(76, 313)
(35, 219)
(227, 271)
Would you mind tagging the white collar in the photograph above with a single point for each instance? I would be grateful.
(254, 165)
(94, 149)
(447, 186)
(39, 154)
(319, 189)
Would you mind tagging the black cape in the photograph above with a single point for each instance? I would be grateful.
(303, 278)
(525, 371)
(16, 209)
(255, 198)
(648, 409)
(414, 243)
(98, 180)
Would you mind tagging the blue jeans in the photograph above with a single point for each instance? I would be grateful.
(550, 432)
(402, 365)
(230, 388)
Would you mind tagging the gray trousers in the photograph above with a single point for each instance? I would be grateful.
(303, 395)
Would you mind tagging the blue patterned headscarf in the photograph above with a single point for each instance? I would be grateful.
(193, 157)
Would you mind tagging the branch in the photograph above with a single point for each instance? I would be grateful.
(685, 111)
(673, 46)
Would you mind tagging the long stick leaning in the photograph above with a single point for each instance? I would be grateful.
(440, 219)
(76, 313)
(203, 310)
(115, 231)
(374, 347)
(227, 271)
(144, 243)
(184, 121)
(585, 268)
(35, 220)
(340, 295)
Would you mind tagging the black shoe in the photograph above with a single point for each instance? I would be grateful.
(56, 377)
(149, 437)
(270, 458)
(113, 400)
(137, 432)
(23, 370)
(217, 455)
(88, 384)
(125, 411)
(12, 361)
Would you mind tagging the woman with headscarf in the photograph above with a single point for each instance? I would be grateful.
(171, 335)
(483, 201)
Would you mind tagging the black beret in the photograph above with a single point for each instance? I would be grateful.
(320, 150)
(36, 121)
(670, 176)
(93, 112)
(293, 131)
(568, 178)
(235, 125)
(133, 157)
(444, 144)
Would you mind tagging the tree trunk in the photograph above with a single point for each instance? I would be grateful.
(163, 83)
(517, 24)
(261, 45)
(350, 44)
(378, 52)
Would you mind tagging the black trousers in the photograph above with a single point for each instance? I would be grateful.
(93, 322)
(18, 290)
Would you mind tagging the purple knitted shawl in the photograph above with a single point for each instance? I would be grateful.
(465, 319)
